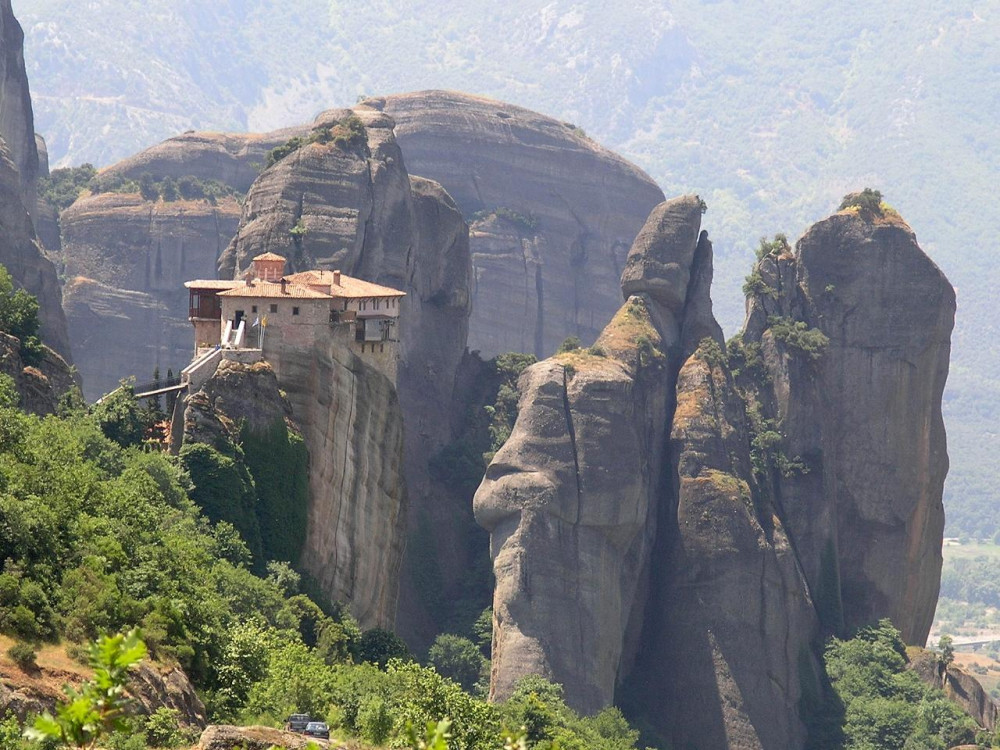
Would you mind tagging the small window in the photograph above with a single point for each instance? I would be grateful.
(295, 311)
(253, 308)
(376, 304)
(274, 308)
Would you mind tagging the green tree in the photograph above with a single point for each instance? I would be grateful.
(19, 318)
(378, 645)
(118, 415)
(457, 658)
(947, 648)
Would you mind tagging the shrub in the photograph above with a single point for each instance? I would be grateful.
(374, 720)
(162, 728)
(19, 318)
(571, 344)
(63, 186)
(778, 246)
(868, 202)
(23, 654)
(797, 334)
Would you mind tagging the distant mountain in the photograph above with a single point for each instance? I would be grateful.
(771, 112)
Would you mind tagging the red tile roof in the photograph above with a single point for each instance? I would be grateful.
(349, 287)
(269, 289)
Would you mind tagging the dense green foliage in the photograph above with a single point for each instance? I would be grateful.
(798, 335)
(19, 318)
(63, 186)
(873, 702)
(96, 537)
(459, 659)
(278, 462)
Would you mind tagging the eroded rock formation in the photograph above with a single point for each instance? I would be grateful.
(40, 386)
(552, 212)
(126, 260)
(674, 526)
(354, 207)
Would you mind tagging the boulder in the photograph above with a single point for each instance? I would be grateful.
(227, 737)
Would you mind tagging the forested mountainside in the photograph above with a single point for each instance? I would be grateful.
(903, 94)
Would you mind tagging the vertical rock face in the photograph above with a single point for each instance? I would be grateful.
(23, 257)
(676, 534)
(358, 210)
(553, 214)
(19, 249)
(571, 532)
(127, 260)
(17, 122)
(864, 417)
(353, 428)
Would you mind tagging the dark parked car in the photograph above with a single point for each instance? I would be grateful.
(318, 729)
(297, 722)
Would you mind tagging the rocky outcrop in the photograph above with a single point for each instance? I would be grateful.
(19, 169)
(340, 510)
(40, 386)
(854, 329)
(655, 538)
(21, 254)
(234, 159)
(127, 260)
(571, 532)
(226, 737)
(960, 686)
(350, 417)
(553, 214)
(359, 211)
(17, 123)
(150, 686)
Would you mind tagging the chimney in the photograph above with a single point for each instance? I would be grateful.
(283, 282)
(336, 278)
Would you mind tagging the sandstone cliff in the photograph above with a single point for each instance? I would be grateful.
(331, 499)
(854, 330)
(553, 214)
(689, 578)
(17, 122)
(234, 159)
(127, 260)
(347, 190)
(21, 254)
(40, 387)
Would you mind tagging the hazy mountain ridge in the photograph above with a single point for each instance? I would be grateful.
(769, 112)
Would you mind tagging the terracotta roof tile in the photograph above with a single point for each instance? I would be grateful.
(211, 284)
(268, 289)
(269, 256)
(348, 287)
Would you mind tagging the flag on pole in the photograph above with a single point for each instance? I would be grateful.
(264, 322)
(256, 322)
